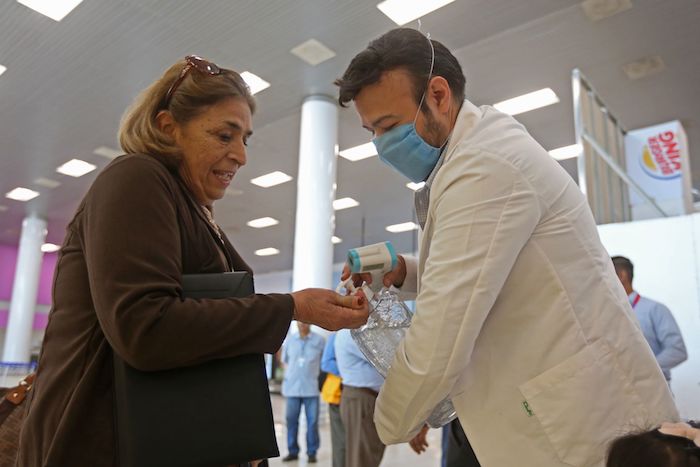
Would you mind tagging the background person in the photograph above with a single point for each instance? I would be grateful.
(519, 319)
(332, 393)
(658, 324)
(670, 445)
(301, 357)
(147, 220)
(361, 384)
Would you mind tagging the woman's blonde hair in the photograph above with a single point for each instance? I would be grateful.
(139, 132)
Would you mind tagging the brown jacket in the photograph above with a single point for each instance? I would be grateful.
(117, 286)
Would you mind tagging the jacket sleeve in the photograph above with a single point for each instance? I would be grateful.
(132, 244)
(673, 351)
(485, 212)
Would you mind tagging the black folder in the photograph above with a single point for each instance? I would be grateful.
(213, 414)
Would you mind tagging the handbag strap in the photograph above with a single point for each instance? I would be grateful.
(17, 394)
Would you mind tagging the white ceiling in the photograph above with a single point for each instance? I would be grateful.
(68, 83)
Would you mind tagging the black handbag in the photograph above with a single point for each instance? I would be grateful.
(213, 414)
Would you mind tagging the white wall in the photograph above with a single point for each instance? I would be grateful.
(667, 269)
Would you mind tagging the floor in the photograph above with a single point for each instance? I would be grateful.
(394, 456)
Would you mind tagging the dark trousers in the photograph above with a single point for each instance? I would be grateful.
(337, 435)
(459, 451)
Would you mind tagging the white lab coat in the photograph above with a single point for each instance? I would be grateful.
(520, 318)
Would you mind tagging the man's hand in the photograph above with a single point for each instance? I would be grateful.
(395, 277)
(330, 310)
(419, 443)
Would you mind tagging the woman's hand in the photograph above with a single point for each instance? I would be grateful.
(330, 310)
(395, 277)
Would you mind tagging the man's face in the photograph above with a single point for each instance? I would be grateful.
(304, 328)
(390, 102)
(622, 275)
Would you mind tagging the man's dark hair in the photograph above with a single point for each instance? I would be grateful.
(406, 49)
(625, 264)
(653, 449)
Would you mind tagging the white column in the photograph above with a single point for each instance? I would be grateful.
(315, 220)
(24, 291)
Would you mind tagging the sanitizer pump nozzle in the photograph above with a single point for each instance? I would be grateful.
(377, 259)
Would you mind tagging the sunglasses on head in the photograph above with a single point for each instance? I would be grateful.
(193, 61)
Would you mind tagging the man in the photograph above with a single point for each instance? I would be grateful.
(361, 384)
(657, 323)
(519, 319)
(301, 357)
(331, 393)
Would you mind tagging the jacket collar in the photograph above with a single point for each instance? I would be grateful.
(467, 118)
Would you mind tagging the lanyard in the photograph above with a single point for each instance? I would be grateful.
(636, 300)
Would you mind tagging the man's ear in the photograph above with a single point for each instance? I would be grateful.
(440, 93)
(166, 123)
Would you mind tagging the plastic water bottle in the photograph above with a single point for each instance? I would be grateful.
(379, 338)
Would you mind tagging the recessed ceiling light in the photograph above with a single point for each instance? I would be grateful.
(271, 179)
(313, 52)
(3, 69)
(262, 222)
(267, 252)
(109, 153)
(47, 183)
(335, 240)
(644, 67)
(526, 102)
(356, 153)
(415, 186)
(21, 194)
(54, 9)
(344, 203)
(596, 10)
(403, 227)
(405, 11)
(566, 152)
(49, 247)
(76, 168)
(254, 82)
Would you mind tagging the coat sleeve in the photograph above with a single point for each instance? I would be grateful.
(132, 245)
(485, 212)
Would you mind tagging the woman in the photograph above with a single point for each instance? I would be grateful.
(670, 445)
(146, 221)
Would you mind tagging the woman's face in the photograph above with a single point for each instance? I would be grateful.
(213, 147)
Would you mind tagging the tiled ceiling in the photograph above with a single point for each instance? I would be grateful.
(67, 84)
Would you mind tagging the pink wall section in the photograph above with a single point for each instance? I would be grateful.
(8, 261)
(40, 319)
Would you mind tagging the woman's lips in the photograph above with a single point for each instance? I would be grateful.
(224, 175)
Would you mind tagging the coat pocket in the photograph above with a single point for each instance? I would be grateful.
(584, 403)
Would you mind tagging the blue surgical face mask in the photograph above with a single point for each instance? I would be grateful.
(403, 149)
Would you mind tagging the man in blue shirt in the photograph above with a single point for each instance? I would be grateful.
(301, 357)
(329, 364)
(361, 384)
(657, 323)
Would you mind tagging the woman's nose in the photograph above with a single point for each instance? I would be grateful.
(239, 155)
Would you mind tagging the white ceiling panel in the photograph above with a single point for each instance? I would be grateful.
(68, 83)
